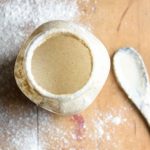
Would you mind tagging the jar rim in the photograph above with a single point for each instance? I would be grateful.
(37, 41)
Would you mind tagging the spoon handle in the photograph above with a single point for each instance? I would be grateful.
(145, 107)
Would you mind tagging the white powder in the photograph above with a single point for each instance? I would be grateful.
(128, 68)
(20, 17)
(18, 130)
(108, 138)
(22, 131)
(95, 130)
(116, 120)
(102, 123)
(107, 118)
(99, 127)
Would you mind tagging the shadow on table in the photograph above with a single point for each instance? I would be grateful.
(18, 115)
(11, 98)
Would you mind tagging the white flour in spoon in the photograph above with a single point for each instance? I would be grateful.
(133, 77)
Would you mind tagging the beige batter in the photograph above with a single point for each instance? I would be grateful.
(62, 64)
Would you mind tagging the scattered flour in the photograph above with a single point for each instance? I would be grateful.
(18, 131)
(20, 17)
(104, 121)
(65, 136)
(116, 120)
(108, 137)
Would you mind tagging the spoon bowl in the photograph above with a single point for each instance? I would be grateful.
(132, 76)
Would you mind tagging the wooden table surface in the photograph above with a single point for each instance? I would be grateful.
(112, 122)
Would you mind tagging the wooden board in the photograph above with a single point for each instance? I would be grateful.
(112, 122)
